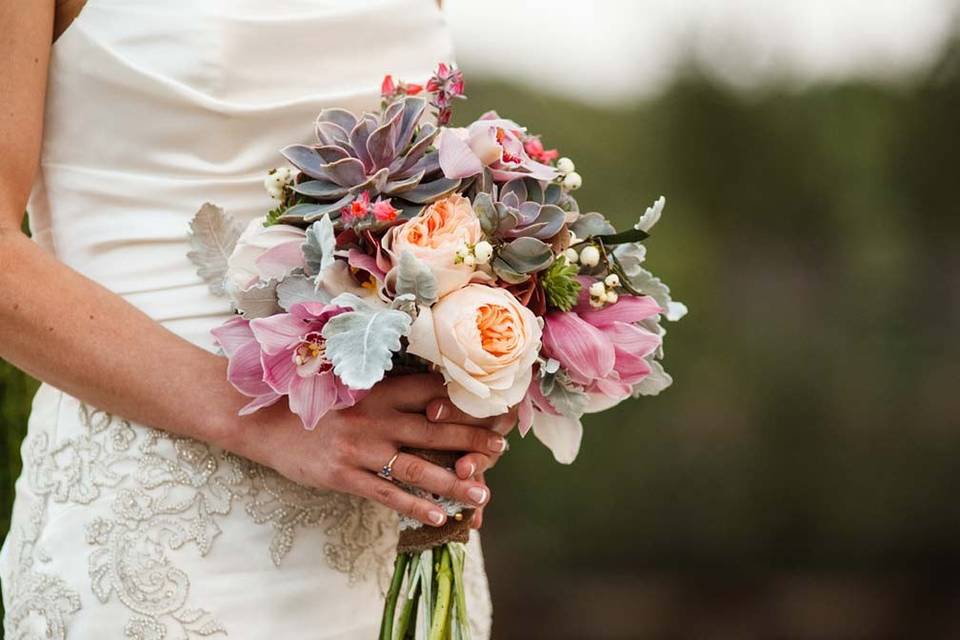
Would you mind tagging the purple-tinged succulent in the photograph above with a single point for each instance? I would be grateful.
(389, 155)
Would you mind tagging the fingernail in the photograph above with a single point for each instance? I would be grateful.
(477, 494)
(497, 444)
(436, 517)
(471, 469)
(441, 411)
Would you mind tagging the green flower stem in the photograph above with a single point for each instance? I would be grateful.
(444, 579)
(390, 605)
(405, 624)
(459, 556)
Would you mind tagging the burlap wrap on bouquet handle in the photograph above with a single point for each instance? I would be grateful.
(428, 537)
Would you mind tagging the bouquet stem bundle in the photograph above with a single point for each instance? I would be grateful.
(427, 594)
(428, 574)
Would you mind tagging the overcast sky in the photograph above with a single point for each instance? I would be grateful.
(617, 49)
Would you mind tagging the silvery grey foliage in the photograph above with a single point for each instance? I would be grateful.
(319, 245)
(631, 256)
(298, 288)
(563, 395)
(657, 381)
(213, 235)
(258, 301)
(415, 278)
(361, 343)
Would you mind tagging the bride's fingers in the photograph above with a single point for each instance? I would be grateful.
(418, 472)
(414, 431)
(442, 410)
(413, 393)
(369, 485)
(473, 464)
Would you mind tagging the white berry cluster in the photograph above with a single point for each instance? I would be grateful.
(589, 256)
(277, 180)
(571, 179)
(473, 255)
(605, 291)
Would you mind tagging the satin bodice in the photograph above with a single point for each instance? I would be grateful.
(154, 108)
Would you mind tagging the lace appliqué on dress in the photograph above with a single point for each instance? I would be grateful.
(168, 493)
(39, 604)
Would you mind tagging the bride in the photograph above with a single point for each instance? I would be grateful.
(147, 508)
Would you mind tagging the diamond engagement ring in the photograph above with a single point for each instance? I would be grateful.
(387, 471)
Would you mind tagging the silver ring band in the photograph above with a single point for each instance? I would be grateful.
(386, 472)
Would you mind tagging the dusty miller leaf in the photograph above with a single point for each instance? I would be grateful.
(299, 288)
(361, 343)
(563, 395)
(258, 301)
(319, 245)
(415, 278)
(213, 235)
(657, 381)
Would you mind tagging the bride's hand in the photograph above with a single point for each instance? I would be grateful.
(350, 446)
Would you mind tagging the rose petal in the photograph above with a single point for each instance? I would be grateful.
(280, 260)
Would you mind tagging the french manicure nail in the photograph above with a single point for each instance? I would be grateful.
(477, 494)
(436, 517)
(497, 444)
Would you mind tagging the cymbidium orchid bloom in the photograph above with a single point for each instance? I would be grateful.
(491, 142)
(605, 352)
(285, 355)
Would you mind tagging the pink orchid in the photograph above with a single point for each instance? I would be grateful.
(602, 351)
(244, 370)
(491, 142)
(284, 354)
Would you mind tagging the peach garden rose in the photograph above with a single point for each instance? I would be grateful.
(484, 342)
(435, 235)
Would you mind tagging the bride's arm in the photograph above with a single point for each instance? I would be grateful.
(63, 328)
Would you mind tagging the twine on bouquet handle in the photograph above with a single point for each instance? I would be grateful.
(453, 530)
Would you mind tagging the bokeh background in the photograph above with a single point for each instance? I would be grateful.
(800, 478)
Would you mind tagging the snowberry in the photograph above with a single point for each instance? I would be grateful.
(590, 256)
(483, 252)
(612, 281)
(565, 165)
(572, 181)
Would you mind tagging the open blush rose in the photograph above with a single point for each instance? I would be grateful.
(264, 253)
(434, 236)
(484, 342)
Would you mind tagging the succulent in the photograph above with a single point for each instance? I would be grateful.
(387, 154)
(524, 207)
(525, 214)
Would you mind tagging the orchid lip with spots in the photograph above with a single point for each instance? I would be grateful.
(394, 241)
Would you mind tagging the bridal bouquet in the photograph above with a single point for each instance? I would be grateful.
(398, 243)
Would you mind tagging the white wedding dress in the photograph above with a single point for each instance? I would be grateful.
(121, 531)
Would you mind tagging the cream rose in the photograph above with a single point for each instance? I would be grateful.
(484, 342)
(434, 236)
(264, 253)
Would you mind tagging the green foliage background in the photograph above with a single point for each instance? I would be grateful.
(799, 480)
